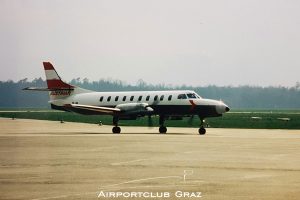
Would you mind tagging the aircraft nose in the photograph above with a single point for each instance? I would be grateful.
(227, 109)
(222, 108)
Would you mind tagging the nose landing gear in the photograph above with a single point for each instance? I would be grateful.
(202, 130)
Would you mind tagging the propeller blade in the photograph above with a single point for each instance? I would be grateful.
(150, 121)
(190, 121)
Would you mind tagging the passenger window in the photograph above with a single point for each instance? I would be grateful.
(117, 98)
(124, 98)
(131, 98)
(170, 97)
(156, 97)
(140, 98)
(181, 96)
(101, 99)
(108, 98)
(162, 97)
(147, 98)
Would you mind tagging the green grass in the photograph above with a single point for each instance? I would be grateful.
(237, 119)
(261, 120)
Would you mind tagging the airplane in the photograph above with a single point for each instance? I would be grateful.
(173, 104)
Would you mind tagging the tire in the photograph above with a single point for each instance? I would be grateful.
(202, 131)
(162, 129)
(116, 130)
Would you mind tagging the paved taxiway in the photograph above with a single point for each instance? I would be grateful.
(51, 160)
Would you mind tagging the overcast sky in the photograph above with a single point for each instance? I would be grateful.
(201, 42)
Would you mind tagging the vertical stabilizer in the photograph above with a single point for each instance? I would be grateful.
(53, 79)
(58, 88)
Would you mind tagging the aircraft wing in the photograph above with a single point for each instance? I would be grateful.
(125, 109)
(96, 109)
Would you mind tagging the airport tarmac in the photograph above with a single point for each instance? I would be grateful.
(51, 160)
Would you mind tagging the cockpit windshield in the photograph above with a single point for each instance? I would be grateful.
(189, 96)
(193, 96)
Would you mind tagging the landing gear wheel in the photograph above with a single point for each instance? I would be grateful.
(202, 131)
(162, 129)
(116, 129)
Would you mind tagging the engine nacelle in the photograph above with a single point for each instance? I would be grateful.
(135, 108)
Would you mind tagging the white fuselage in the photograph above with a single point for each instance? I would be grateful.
(183, 102)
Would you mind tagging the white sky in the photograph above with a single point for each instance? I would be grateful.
(201, 42)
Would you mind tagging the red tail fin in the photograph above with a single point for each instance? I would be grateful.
(53, 79)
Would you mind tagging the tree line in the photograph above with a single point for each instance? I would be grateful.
(241, 97)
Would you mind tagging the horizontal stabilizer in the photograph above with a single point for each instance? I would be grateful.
(47, 89)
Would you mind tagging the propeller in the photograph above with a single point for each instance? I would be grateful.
(190, 120)
(150, 121)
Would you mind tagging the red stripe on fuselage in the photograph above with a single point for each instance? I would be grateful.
(58, 84)
(48, 66)
(193, 105)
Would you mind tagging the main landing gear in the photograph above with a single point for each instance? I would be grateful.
(116, 128)
(202, 130)
(162, 128)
